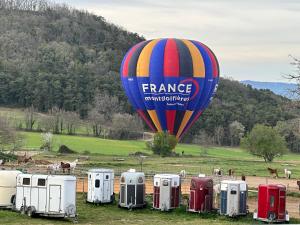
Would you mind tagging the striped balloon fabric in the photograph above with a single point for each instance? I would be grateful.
(170, 82)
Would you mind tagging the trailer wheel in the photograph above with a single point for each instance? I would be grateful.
(30, 211)
(75, 220)
(23, 209)
(13, 202)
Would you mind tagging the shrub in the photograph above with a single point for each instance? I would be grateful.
(163, 143)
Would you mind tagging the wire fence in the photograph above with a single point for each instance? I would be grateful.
(82, 183)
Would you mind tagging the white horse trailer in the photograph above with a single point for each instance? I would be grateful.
(132, 189)
(46, 195)
(100, 186)
(166, 191)
(8, 183)
(233, 198)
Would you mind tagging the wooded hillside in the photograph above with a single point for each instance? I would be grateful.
(56, 56)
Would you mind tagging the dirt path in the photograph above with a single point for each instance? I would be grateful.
(291, 184)
(252, 182)
(292, 206)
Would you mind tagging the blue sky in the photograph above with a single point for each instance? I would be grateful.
(251, 39)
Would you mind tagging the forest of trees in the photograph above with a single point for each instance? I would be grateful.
(56, 56)
(53, 57)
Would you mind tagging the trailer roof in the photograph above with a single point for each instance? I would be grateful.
(60, 177)
(202, 179)
(233, 182)
(166, 175)
(272, 186)
(100, 170)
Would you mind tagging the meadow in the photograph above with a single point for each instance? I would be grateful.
(196, 159)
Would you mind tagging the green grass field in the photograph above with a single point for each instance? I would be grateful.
(111, 214)
(80, 144)
(104, 153)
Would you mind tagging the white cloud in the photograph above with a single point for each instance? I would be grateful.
(250, 38)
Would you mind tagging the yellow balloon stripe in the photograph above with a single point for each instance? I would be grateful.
(198, 63)
(155, 120)
(142, 69)
(184, 122)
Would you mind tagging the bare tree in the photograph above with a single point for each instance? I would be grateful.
(28, 5)
(30, 118)
(53, 121)
(57, 120)
(202, 138)
(295, 76)
(219, 135)
(71, 121)
(8, 135)
(126, 126)
(97, 121)
(106, 105)
(236, 132)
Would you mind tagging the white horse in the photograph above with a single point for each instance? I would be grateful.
(53, 168)
(217, 172)
(73, 164)
(182, 174)
(287, 173)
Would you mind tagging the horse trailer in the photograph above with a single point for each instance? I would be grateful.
(46, 195)
(167, 191)
(201, 195)
(271, 203)
(132, 189)
(233, 198)
(8, 183)
(100, 186)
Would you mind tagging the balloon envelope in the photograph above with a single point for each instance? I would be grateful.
(170, 82)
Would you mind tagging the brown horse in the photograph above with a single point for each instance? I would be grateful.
(65, 166)
(24, 159)
(273, 172)
(243, 177)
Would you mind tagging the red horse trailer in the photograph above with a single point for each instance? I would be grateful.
(271, 203)
(167, 191)
(201, 194)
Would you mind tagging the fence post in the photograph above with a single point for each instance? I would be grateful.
(83, 185)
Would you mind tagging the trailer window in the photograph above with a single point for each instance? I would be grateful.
(41, 182)
(107, 177)
(26, 181)
(97, 183)
(272, 200)
(165, 183)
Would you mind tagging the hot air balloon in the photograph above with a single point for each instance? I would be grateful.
(170, 82)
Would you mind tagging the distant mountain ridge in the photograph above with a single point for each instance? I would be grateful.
(279, 88)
